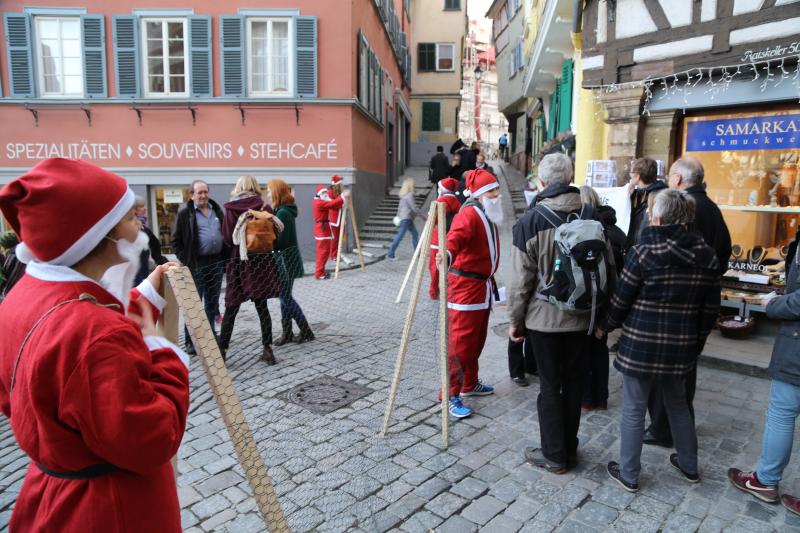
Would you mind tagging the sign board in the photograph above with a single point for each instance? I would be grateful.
(173, 196)
(759, 132)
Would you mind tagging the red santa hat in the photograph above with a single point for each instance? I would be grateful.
(337, 180)
(38, 203)
(480, 182)
(322, 191)
(448, 185)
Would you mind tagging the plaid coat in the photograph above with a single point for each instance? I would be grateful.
(666, 302)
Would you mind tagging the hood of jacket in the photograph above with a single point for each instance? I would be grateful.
(673, 246)
(291, 208)
(243, 203)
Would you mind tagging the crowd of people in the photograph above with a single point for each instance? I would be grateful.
(659, 283)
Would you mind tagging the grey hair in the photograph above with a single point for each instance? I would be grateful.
(555, 169)
(671, 206)
(589, 196)
(690, 169)
(195, 182)
(138, 200)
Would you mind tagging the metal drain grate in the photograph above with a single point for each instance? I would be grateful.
(325, 394)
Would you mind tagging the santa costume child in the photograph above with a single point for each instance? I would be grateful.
(322, 228)
(473, 253)
(447, 195)
(95, 398)
(335, 214)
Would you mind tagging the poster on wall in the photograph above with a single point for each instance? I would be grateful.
(173, 196)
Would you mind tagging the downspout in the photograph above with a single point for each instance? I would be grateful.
(577, 24)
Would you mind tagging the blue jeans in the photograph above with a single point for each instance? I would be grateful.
(208, 279)
(290, 309)
(405, 225)
(776, 446)
(635, 392)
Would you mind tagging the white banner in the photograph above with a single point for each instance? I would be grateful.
(620, 199)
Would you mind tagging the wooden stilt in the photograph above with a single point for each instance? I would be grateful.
(426, 230)
(342, 233)
(443, 331)
(355, 232)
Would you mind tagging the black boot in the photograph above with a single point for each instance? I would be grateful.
(287, 335)
(305, 333)
(267, 356)
(225, 333)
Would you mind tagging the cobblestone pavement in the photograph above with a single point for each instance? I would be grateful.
(335, 473)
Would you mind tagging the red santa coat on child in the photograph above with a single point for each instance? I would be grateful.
(447, 188)
(321, 208)
(473, 249)
(91, 397)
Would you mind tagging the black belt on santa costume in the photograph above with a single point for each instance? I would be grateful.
(474, 275)
(90, 472)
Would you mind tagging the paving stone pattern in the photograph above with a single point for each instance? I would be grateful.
(333, 472)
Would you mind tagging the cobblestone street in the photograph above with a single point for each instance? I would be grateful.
(334, 472)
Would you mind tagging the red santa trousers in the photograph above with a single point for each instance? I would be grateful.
(433, 290)
(323, 253)
(467, 336)
(334, 243)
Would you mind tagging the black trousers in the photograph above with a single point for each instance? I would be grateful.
(561, 359)
(228, 319)
(520, 358)
(595, 388)
(659, 423)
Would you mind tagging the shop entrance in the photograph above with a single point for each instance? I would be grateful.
(166, 201)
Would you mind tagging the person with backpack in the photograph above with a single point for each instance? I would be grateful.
(561, 269)
(666, 303)
(12, 268)
(252, 277)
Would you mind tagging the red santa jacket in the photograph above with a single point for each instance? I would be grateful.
(322, 208)
(453, 205)
(473, 249)
(335, 213)
(90, 390)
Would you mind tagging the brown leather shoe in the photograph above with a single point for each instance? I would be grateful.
(268, 357)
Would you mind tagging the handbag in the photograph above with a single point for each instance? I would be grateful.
(396, 220)
(259, 235)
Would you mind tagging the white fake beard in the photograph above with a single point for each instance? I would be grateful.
(493, 209)
(118, 280)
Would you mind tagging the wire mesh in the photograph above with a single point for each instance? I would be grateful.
(315, 416)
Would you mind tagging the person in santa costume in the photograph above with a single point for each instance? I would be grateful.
(473, 255)
(96, 398)
(335, 214)
(322, 228)
(447, 195)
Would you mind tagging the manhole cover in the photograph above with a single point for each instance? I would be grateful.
(325, 394)
(501, 330)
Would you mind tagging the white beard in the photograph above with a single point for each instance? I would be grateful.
(118, 280)
(493, 208)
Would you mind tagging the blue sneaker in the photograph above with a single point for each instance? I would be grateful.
(458, 409)
(479, 390)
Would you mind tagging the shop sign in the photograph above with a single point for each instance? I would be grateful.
(173, 196)
(776, 51)
(765, 132)
(746, 266)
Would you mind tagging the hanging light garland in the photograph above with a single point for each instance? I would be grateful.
(668, 85)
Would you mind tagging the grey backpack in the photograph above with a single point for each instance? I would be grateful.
(580, 274)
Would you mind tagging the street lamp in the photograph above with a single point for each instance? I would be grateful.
(478, 72)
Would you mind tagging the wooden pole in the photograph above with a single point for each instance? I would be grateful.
(412, 308)
(355, 232)
(342, 233)
(443, 333)
(425, 231)
(168, 323)
(227, 400)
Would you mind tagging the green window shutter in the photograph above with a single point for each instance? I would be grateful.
(565, 97)
(552, 129)
(200, 55)
(20, 54)
(306, 70)
(358, 70)
(431, 116)
(94, 56)
(231, 50)
(126, 55)
(426, 57)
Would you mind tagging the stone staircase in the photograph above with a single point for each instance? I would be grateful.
(379, 230)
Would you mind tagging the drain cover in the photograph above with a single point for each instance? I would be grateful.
(325, 394)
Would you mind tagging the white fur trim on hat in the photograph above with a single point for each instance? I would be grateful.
(89, 240)
(486, 188)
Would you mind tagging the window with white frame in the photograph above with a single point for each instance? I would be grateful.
(164, 57)
(59, 56)
(270, 59)
(445, 57)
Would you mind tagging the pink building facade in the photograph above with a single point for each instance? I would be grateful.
(167, 93)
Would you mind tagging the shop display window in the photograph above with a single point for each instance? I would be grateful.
(167, 201)
(752, 171)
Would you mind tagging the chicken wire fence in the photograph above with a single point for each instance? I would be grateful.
(296, 445)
